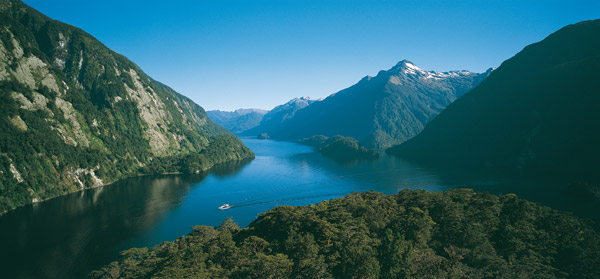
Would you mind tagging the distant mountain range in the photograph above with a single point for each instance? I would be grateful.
(75, 114)
(239, 120)
(536, 115)
(276, 119)
(379, 111)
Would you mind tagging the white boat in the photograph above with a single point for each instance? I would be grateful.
(225, 206)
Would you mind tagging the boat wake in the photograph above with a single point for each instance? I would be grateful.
(287, 199)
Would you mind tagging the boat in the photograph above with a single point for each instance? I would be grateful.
(225, 206)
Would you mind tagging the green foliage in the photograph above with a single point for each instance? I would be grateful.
(314, 141)
(340, 147)
(92, 126)
(221, 149)
(413, 234)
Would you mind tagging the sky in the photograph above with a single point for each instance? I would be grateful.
(227, 54)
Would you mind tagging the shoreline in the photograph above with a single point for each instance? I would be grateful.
(123, 178)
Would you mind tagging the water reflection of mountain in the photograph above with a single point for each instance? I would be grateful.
(229, 168)
(68, 232)
(390, 174)
(70, 235)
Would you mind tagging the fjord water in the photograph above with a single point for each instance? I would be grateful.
(68, 236)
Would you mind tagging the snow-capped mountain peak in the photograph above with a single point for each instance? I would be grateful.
(408, 68)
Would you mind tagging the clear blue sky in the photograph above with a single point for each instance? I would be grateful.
(227, 54)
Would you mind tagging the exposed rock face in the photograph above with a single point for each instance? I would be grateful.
(19, 123)
(74, 114)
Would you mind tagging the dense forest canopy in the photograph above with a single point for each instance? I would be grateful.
(413, 234)
(340, 147)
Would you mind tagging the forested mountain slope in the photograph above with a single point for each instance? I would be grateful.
(536, 115)
(380, 111)
(74, 114)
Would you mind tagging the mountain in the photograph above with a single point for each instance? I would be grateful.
(413, 234)
(380, 111)
(536, 115)
(75, 114)
(237, 121)
(275, 119)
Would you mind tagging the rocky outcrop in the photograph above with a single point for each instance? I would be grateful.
(74, 114)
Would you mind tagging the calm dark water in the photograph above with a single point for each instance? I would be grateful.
(69, 236)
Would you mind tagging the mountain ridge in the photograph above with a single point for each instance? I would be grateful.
(379, 111)
(239, 120)
(75, 114)
(533, 116)
(274, 120)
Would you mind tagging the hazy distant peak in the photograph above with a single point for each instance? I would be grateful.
(300, 100)
(303, 98)
(243, 111)
(293, 104)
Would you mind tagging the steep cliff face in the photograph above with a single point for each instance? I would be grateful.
(75, 114)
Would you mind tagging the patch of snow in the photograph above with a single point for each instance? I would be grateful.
(412, 68)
